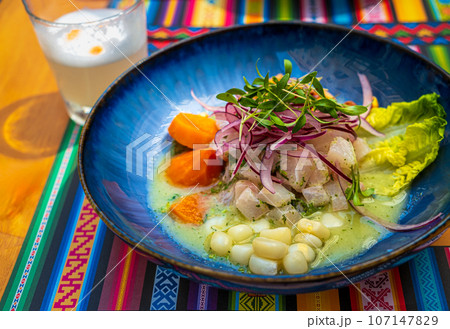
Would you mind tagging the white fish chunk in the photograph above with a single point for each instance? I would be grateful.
(320, 174)
(250, 206)
(286, 215)
(342, 152)
(338, 200)
(322, 143)
(246, 173)
(297, 170)
(241, 185)
(361, 148)
(280, 198)
(316, 195)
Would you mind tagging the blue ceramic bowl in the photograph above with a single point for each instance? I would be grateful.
(132, 116)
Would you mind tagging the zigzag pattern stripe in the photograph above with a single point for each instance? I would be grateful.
(77, 260)
(404, 33)
(427, 284)
(43, 224)
(404, 28)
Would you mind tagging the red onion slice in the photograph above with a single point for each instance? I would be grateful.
(228, 129)
(281, 141)
(266, 170)
(231, 109)
(394, 226)
(313, 122)
(257, 132)
(367, 93)
(239, 163)
(345, 130)
(367, 127)
(386, 224)
(206, 106)
(305, 138)
(224, 116)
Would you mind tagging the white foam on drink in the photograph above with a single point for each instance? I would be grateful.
(87, 15)
(82, 44)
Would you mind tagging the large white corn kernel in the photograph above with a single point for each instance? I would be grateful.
(282, 234)
(260, 225)
(313, 227)
(263, 266)
(221, 243)
(306, 250)
(269, 248)
(309, 239)
(240, 232)
(295, 263)
(240, 253)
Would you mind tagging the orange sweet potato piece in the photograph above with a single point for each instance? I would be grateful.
(190, 168)
(188, 210)
(189, 129)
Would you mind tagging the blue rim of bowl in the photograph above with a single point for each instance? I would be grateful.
(237, 277)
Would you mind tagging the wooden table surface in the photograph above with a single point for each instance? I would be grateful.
(32, 123)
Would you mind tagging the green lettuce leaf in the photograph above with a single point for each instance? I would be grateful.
(401, 113)
(418, 128)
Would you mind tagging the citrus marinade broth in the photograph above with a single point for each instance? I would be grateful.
(353, 237)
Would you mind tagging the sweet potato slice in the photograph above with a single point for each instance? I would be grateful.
(189, 129)
(194, 168)
(188, 210)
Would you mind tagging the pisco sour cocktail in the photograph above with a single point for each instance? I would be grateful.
(87, 49)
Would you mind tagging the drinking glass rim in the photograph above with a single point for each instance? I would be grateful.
(59, 24)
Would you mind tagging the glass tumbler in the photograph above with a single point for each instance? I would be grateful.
(88, 43)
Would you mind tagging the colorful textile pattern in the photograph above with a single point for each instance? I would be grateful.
(412, 33)
(71, 261)
(72, 277)
(218, 13)
(381, 292)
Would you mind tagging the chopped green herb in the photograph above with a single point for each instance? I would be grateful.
(353, 191)
(284, 174)
(222, 186)
(307, 209)
(174, 197)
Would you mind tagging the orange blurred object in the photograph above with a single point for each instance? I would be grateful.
(199, 167)
(189, 129)
(188, 210)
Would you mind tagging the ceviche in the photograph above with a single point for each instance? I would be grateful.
(283, 178)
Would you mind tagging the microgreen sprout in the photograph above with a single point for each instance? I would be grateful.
(352, 192)
(265, 98)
